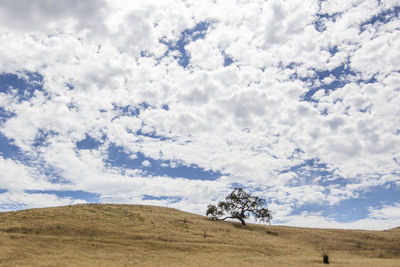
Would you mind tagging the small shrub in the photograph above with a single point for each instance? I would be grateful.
(325, 258)
(205, 234)
(271, 233)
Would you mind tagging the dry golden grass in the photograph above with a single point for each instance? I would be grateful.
(126, 235)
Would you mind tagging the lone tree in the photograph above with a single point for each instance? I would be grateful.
(240, 205)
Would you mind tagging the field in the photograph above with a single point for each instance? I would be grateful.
(126, 235)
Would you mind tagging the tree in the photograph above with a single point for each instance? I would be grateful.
(240, 205)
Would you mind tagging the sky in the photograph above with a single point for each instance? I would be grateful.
(174, 103)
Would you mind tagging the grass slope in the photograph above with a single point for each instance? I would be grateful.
(125, 235)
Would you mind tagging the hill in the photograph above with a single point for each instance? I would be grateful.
(122, 235)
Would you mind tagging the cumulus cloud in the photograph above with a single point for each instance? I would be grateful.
(42, 16)
(146, 163)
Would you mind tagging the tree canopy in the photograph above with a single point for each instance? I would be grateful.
(240, 205)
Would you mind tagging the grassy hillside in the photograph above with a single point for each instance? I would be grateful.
(122, 235)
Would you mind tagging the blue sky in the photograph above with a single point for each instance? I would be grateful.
(176, 103)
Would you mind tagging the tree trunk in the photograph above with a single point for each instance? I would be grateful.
(241, 217)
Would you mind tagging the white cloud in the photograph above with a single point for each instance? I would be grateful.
(146, 163)
(50, 15)
(379, 55)
(204, 56)
(15, 176)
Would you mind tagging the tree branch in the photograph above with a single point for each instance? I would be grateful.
(229, 217)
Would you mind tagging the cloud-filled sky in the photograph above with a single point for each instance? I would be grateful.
(174, 103)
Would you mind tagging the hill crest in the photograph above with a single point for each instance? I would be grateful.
(97, 234)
